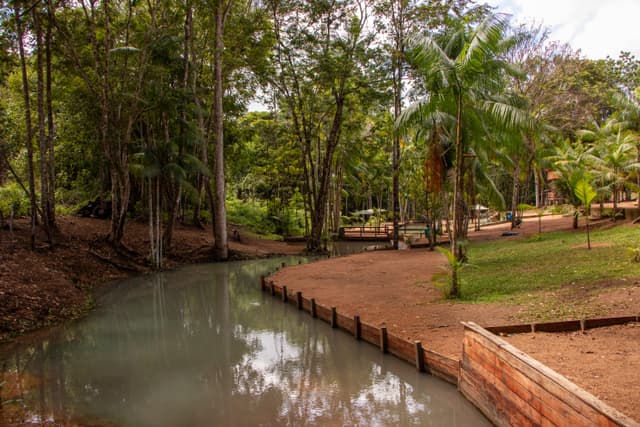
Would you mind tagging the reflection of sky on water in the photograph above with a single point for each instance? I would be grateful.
(386, 389)
(270, 349)
(203, 346)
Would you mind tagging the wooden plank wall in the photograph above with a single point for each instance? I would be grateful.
(511, 388)
(563, 326)
(428, 361)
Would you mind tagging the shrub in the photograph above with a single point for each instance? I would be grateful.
(11, 195)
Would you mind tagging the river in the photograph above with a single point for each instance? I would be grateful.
(202, 346)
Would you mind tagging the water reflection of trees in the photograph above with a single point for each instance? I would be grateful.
(203, 346)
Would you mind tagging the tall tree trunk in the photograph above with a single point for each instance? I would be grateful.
(616, 192)
(190, 83)
(318, 211)
(337, 204)
(29, 128)
(174, 192)
(458, 234)
(516, 192)
(176, 195)
(398, 54)
(637, 179)
(221, 246)
(51, 131)
(111, 137)
(538, 187)
(42, 138)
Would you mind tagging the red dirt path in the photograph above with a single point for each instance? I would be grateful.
(393, 288)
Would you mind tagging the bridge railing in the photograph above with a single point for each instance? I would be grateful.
(383, 231)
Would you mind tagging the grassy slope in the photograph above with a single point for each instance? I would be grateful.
(515, 270)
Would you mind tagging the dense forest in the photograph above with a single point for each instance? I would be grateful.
(412, 109)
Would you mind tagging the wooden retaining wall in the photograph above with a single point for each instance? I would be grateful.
(511, 388)
(427, 361)
(563, 326)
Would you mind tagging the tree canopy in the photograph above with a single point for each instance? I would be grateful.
(420, 109)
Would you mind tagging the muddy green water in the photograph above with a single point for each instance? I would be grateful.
(202, 346)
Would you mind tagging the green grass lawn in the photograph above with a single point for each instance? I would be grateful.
(512, 271)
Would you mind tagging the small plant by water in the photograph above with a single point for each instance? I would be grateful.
(454, 267)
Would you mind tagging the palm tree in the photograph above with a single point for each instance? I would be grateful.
(572, 164)
(463, 72)
(629, 113)
(617, 157)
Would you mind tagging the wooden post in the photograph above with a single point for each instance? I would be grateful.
(284, 294)
(262, 284)
(314, 312)
(284, 264)
(334, 317)
(272, 290)
(356, 327)
(383, 339)
(419, 360)
(299, 300)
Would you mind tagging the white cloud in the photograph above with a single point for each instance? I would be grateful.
(598, 28)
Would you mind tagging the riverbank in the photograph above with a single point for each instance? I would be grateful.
(391, 288)
(47, 286)
(395, 289)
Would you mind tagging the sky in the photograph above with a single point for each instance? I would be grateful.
(597, 27)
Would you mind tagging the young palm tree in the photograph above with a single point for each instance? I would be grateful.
(463, 73)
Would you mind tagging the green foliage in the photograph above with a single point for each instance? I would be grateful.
(585, 193)
(252, 214)
(12, 196)
(378, 218)
(625, 71)
(287, 218)
(155, 92)
(635, 254)
(561, 209)
(525, 207)
(267, 217)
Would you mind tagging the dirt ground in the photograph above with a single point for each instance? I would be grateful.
(603, 361)
(392, 288)
(384, 287)
(46, 286)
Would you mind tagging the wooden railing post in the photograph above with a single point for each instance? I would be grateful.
(284, 294)
(272, 289)
(299, 300)
(383, 339)
(419, 359)
(314, 312)
(356, 327)
(334, 317)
